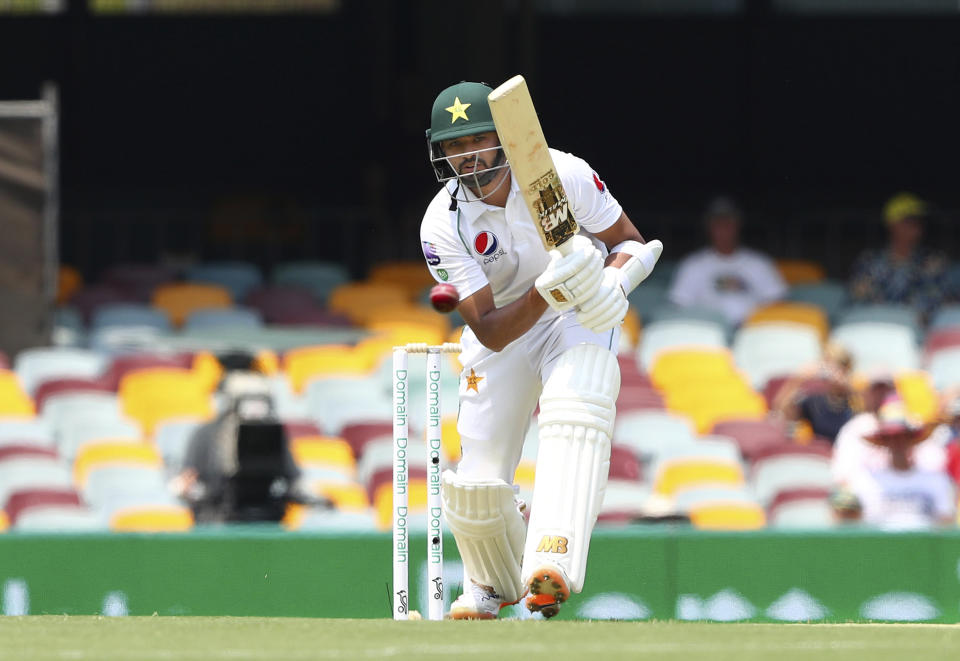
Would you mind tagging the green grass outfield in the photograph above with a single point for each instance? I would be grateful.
(40, 638)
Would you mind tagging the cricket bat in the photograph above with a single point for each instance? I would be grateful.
(526, 151)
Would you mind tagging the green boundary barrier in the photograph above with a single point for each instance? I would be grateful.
(634, 573)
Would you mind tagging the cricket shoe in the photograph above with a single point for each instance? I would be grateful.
(478, 602)
(547, 589)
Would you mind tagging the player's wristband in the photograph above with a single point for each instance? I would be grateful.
(643, 257)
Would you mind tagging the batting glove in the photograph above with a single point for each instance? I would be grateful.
(572, 278)
(608, 305)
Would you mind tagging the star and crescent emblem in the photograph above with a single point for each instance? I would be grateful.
(473, 381)
(458, 110)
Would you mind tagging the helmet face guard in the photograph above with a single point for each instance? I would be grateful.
(491, 159)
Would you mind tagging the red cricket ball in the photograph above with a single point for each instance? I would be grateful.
(444, 297)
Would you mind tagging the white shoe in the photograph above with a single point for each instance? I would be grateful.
(478, 602)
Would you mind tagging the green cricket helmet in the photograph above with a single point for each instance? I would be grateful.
(461, 110)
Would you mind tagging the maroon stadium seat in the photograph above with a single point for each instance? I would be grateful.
(624, 464)
(637, 397)
(793, 495)
(59, 386)
(26, 450)
(943, 338)
(21, 501)
(358, 434)
(123, 364)
(630, 372)
(815, 448)
(4, 361)
(385, 476)
(138, 280)
(301, 428)
(753, 436)
(90, 298)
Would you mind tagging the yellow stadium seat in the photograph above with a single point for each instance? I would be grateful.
(4, 521)
(800, 271)
(267, 362)
(675, 367)
(397, 314)
(207, 369)
(357, 300)
(151, 395)
(918, 394)
(383, 501)
(306, 363)
(707, 403)
(525, 473)
(344, 495)
(14, 402)
(68, 282)
(728, 516)
(325, 451)
(113, 453)
(412, 276)
(157, 518)
(674, 475)
(794, 312)
(450, 438)
(631, 327)
(178, 300)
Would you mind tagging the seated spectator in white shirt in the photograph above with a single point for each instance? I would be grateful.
(854, 455)
(725, 276)
(903, 496)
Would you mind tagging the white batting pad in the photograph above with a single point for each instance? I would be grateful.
(577, 410)
(489, 529)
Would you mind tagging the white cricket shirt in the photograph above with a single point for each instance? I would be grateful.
(479, 244)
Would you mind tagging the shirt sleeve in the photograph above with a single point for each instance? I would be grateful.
(449, 261)
(684, 291)
(591, 201)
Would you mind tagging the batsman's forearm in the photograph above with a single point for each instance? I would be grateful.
(501, 326)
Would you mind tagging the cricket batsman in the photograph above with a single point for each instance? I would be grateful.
(523, 343)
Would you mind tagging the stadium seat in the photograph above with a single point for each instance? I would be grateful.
(238, 278)
(172, 440)
(649, 433)
(412, 276)
(947, 315)
(56, 387)
(14, 451)
(639, 398)
(68, 328)
(60, 518)
(829, 295)
(156, 394)
(623, 502)
(919, 395)
(804, 509)
(676, 334)
(295, 429)
(878, 345)
(62, 409)
(4, 522)
(323, 452)
(139, 280)
(692, 498)
(319, 278)
(648, 296)
(884, 313)
(84, 428)
(129, 315)
(95, 456)
(120, 366)
(385, 317)
(358, 434)
(308, 363)
(24, 500)
(669, 311)
(358, 300)
(788, 470)
(936, 340)
(235, 317)
(179, 300)
(34, 366)
(800, 271)
(944, 368)
(152, 518)
(676, 368)
(14, 402)
(692, 470)
(69, 281)
(772, 349)
(806, 314)
(753, 437)
(4, 361)
(333, 520)
(92, 297)
(708, 402)
(337, 402)
(111, 487)
(14, 430)
(727, 516)
(624, 464)
(34, 472)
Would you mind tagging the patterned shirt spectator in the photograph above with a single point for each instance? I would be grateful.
(919, 281)
(903, 271)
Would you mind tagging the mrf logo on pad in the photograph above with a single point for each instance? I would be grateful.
(552, 544)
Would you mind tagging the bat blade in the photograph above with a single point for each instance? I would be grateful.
(526, 150)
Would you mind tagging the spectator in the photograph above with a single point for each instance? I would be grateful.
(819, 396)
(725, 276)
(948, 434)
(902, 495)
(903, 271)
(854, 455)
